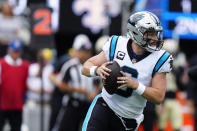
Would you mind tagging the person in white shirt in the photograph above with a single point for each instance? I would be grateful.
(40, 89)
(144, 66)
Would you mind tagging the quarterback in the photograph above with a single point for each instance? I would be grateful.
(144, 66)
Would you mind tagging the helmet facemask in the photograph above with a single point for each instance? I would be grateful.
(153, 44)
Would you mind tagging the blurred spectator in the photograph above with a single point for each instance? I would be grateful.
(100, 43)
(38, 82)
(11, 27)
(170, 109)
(56, 98)
(13, 75)
(80, 89)
(192, 89)
(193, 73)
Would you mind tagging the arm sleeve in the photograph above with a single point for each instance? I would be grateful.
(167, 66)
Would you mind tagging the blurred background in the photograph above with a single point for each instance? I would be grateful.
(50, 27)
(55, 23)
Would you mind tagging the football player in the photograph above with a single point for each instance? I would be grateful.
(144, 66)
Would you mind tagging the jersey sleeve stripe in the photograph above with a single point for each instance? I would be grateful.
(90, 112)
(113, 47)
(160, 62)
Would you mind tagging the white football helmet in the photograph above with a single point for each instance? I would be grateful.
(141, 23)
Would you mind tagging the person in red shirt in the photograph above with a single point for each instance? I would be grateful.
(13, 75)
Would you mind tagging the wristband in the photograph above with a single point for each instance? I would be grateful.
(140, 89)
(92, 70)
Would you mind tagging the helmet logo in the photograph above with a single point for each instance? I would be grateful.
(133, 60)
(136, 18)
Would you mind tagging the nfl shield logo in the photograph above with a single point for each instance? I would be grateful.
(134, 61)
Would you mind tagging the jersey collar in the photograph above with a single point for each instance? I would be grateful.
(135, 58)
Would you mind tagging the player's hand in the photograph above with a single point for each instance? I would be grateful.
(127, 81)
(103, 71)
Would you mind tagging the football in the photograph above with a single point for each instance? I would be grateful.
(110, 83)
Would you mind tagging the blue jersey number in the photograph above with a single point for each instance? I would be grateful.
(127, 92)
